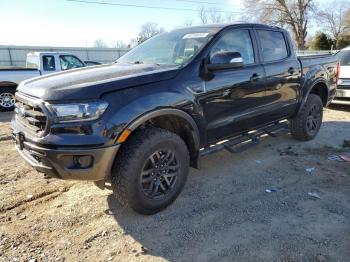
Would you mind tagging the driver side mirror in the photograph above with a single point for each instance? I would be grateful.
(224, 60)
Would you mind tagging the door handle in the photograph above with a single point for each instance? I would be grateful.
(255, 77)
(291, 70)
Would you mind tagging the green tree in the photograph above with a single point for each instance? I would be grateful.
(321, 42)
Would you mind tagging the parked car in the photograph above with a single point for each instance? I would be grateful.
(37, 63)
(343, 90)
(141, 122)
(91, 63)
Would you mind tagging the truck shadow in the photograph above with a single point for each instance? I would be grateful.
(345, 108)
(224, 208)
(5, 117)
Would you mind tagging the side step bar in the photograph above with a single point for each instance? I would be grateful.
(247, 140)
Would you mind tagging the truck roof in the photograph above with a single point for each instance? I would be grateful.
(224, 25)
(48, 53)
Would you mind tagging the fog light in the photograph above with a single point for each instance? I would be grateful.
(82, 161)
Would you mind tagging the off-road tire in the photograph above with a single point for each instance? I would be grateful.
(299, 124)
(130, 161)
(7, 90)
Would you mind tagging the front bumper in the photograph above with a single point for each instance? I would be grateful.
(342, 95)
(58, 163)
(63, 162)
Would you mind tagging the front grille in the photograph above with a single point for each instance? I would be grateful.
(29, 113)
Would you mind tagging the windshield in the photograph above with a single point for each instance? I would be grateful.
(173, 48)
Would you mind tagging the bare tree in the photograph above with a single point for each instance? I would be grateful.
(118, 44)
(133, 42)
(148, 30)
(210, 16)
(333, 19)
(230, 18)
(347, 18)
(203, 15)
(293, 14)
(100, 43)
(215, 15)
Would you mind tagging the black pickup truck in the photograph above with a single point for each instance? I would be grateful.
(141, 122)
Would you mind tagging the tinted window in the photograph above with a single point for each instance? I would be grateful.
(236, 41)
(273, 45)
(70, 62)
(49, 63)
(345, 58)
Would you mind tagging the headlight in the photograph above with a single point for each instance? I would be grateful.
(340, 82)
(79, 111)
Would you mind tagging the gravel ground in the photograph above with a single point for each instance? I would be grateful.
(224, 212)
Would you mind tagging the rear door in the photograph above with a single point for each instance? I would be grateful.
(234, 98)
(282, 70)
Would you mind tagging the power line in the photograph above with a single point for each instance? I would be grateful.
(146, 6)
(205, 2)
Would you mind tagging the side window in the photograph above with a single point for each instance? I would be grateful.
(69, 62)
(49, 63)
(236, 41)
(345, 59)
(273, 45)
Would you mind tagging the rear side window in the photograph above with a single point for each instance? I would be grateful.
(273, 45)
(49, 63)
(345, 58)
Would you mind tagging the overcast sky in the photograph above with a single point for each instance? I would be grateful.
(66, 23)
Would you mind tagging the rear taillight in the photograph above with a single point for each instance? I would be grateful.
(337, 72)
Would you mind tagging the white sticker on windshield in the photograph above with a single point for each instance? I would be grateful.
(196, 35)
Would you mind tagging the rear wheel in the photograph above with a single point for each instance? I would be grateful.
(7, 99)
(307, 123)
(150, 170)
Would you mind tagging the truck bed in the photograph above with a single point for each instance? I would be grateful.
(311, 60)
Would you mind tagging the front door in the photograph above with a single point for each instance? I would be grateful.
(234, 98)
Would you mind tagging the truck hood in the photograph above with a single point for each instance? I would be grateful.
(92, 82)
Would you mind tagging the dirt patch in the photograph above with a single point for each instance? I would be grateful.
(225, 212)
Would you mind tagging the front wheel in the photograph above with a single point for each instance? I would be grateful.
(150, 170)
(307, 123)
(7, 99)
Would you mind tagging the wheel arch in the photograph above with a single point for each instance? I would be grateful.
(319, 88)
(8, 84)
(176, 121)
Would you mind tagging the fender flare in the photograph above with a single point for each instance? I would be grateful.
(307, 93)
(168, 111)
